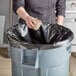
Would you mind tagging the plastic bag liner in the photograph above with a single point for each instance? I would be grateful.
(48, 36)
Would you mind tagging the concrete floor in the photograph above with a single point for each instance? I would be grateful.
(5, 66)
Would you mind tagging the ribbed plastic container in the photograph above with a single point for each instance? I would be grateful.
(48, 60)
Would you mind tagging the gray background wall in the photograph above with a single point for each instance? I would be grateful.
(6, 10)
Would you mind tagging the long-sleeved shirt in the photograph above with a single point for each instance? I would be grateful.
(45, 10)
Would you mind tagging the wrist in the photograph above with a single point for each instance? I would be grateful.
(26, 17)
(60, 20)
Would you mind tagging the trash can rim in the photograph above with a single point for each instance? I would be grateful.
(42, 46)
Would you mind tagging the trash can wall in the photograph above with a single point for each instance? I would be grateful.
(55, 62)
(52, 62)
(19, 67)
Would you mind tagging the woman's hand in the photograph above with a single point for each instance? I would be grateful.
(60, 20)
(29, 22)
(33, 23)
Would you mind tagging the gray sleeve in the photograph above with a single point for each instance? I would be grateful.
(17, 4)
(60, 7)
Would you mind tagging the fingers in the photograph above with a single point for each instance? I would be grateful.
(33, 23)
(29, 22)
(37, 23)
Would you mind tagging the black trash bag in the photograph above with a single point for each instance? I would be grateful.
(64, 34)
(50, 32)
(47, 34)
(54, 33)
(37, 36)
(19, 33)
(68, 34)
(23, 32)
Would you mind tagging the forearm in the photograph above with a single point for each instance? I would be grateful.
(31, 22)
(60, 20)
(22, 13)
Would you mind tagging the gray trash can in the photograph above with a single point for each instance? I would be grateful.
(49, 60)
(40, 59)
